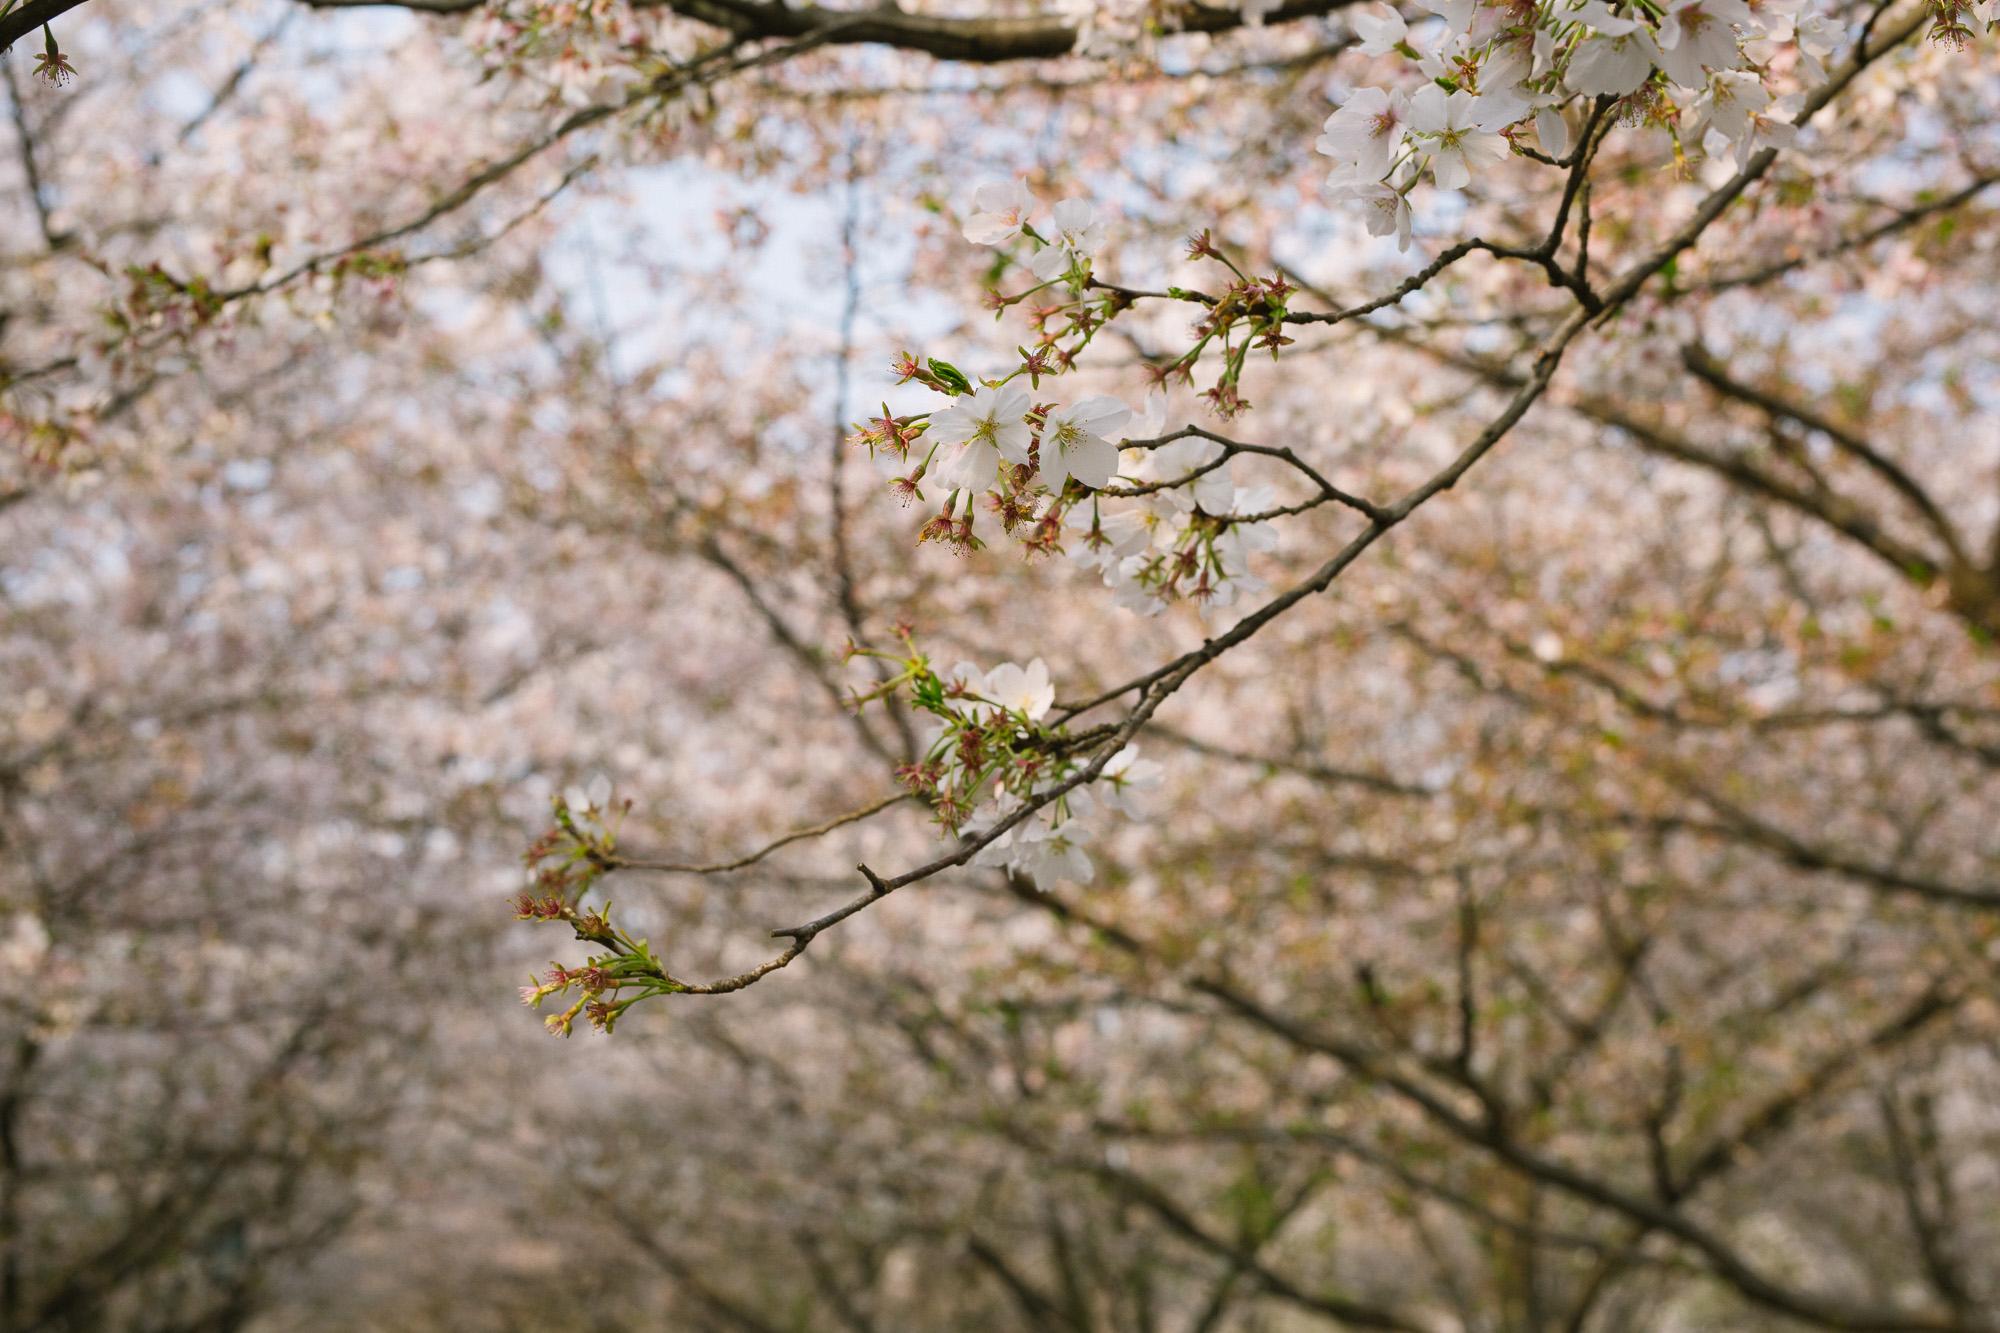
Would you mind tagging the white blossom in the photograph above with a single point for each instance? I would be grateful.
(1151, 421)
(1388, 210)
(1075, 442)
(1696, 34)
(1727, 105)
(983, 425)
(1129, 591)
(1457, 14)
(597, 795)
(1101, 538)
(1819, 35)
(1507, 104)
(1077, 233)
(1552, 130)
(1379, 36)
(1047, 845)
(1447, 126)
(999, 209)
(1764, 130)
(1052, 855)
(1125, 777)
(1025, 690)
(1212, 491)
(1508, 62)
(1365, 133)
(1615, 61)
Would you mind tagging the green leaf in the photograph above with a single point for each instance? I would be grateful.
(950, 376)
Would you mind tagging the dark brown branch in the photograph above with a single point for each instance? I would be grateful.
(1904, 219)
(752, 858)
(1723, 1259)
(1717, 377)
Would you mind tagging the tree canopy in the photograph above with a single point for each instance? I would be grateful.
(1141, 666)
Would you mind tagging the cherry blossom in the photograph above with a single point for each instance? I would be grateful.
(1552, 130)
(1101, 537)
(1616, 59)
(1731, 100)
(1562, 657)
(1364, 135)
(1192, 459)
(977, 431)
(1457, 14)
(1448, 127)
(1698, 34)
(1075, 442)
(1126, 780)
(1024, 690)
(1000, 208)
(1380, 35)
(1077, 233)
(1388, 209)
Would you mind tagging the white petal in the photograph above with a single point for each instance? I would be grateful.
(1102, 414)
(1552, 130)
(1092, 461)
(1450, 172)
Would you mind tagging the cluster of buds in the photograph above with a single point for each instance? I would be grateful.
(1957, 22)
(992, 756)
(1194, 568)
(994, 440)
(1063, 329)
(1248, 316)
(564, 864)
(1038, 527)
(156, 299)
(889, 440)
(1063, 320)
(1068, 310)
(1035, 465)
(48, 440)
(1066, 305)
(988, 737)
(888, 434)
(377, 270)
(954, 532)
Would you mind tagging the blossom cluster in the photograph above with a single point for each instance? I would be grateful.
(564, 865)
(992, 749)
(993, 435)
(1699, 68)
(1158, 515)
(995, 441)
(1181, 528)
(1189, 534)
(579, 52)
